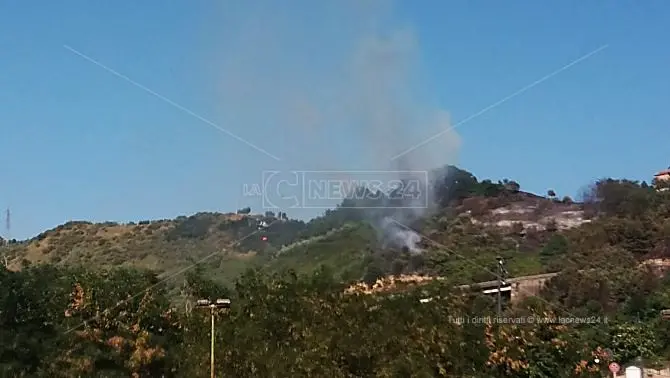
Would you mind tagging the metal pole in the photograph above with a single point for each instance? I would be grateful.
(499, 287)
(499, 297)
(212, 348)
(212, 305)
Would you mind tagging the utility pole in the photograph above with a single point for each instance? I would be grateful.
(218, 304)
(5, 245)
(502, 275)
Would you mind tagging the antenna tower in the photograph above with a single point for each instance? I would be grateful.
(8, 225)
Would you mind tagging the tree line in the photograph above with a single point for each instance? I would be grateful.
(59, 322)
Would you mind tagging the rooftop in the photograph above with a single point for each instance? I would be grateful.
(663, 173)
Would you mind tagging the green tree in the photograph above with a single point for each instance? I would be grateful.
(554, 250)
(630, 341)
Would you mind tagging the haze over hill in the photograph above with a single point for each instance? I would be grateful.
(292, 88)
(371, 93)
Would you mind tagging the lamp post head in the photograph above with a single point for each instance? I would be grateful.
(222, 303)
(219, 303)
(203, 303)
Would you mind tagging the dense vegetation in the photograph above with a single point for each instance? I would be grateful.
(291, 317)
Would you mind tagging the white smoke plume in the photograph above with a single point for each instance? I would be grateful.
(336, 86)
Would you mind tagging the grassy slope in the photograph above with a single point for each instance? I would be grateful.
(170, 245)
(344, 251)
(153, 246)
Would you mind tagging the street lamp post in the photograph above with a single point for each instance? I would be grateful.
(217, 304)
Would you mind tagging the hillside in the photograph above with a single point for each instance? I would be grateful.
(341, 239)
(491, 219)
(161, 245)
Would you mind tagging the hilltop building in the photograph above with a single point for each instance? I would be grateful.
(662, 178)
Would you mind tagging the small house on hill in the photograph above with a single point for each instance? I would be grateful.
(663, 177)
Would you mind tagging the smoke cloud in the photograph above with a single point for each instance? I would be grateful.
(336, 86)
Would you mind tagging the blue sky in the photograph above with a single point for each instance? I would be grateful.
(80, 143)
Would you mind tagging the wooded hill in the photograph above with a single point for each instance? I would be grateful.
(62, 313)
(342, 238)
